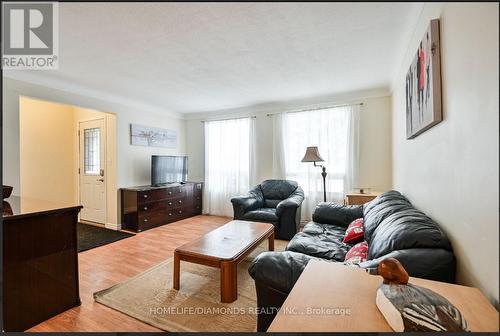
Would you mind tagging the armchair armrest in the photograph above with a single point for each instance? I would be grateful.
(242, 204)
(247, 202)
(337, 214)
(292, 202)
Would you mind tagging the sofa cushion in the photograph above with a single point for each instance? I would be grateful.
(321, 241)
(406, 229)
(383, 206)
(264, 214)
(277, 189)
(336, 214)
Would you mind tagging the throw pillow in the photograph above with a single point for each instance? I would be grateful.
(355, 232)
(357, 254)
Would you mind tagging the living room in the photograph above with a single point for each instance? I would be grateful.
(222, 164)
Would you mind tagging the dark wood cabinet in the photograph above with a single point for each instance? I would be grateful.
(146, 207)
(40, 261)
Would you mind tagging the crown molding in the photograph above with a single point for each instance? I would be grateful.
(280, 106)
(37, 78)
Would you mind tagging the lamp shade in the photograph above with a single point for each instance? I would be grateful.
(312, 155)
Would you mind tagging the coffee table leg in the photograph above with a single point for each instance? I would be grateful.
(271, 242)
(177, 269)
(228, 281)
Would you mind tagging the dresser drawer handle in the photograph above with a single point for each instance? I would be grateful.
(169, 203)
(145, 196)
(145, 208)
(180, 202)
(180, 211)
(170, 214)
(145, 220)
(170, 193)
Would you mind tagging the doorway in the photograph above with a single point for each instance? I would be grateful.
(91, 170)
(51, 138)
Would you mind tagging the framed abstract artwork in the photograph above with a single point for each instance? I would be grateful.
(423, 85)
(152, 137)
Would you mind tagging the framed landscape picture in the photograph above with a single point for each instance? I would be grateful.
(423, 85)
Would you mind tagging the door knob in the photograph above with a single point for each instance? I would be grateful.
(100, 180)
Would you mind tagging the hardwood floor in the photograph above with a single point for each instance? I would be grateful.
(107, 265)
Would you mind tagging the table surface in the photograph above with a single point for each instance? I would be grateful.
(15, 207)
(366, 193)
(228, 241)
(349, 294)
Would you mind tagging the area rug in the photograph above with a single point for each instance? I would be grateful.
(91, 236)
(149, 297)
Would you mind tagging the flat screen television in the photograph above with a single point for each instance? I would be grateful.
(168, 169)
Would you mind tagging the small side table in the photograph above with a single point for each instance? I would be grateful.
(331, 297)
(353, 198)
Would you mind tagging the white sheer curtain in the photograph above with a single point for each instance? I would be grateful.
(335, 132)
(279, 124)
(229, 163)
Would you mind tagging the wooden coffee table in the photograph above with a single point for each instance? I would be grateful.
(224, 248)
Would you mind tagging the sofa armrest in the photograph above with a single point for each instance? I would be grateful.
(278, 270)
(275, 274)
(292, 202)
(428, 263)
(337, 214)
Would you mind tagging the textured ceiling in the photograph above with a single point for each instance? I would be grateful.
(196, 57)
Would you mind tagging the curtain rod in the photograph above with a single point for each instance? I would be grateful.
(251, 117)
(314, 109)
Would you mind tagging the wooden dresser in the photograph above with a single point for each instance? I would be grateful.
(40, 261)
(146, 207)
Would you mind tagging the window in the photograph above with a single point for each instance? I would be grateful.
(91, 157)
(228, 149)
(333, 131)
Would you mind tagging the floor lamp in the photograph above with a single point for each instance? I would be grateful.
(312, 155)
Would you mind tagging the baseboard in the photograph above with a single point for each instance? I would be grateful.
(113, 226)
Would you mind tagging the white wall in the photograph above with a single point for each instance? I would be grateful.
(451, 171)
(375, 139)
(133, 162)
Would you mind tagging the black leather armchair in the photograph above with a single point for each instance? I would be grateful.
(273, 201)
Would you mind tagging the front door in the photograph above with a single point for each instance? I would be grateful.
(91, 170)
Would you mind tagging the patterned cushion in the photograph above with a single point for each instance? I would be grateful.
(357, 254)
(355, 232)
